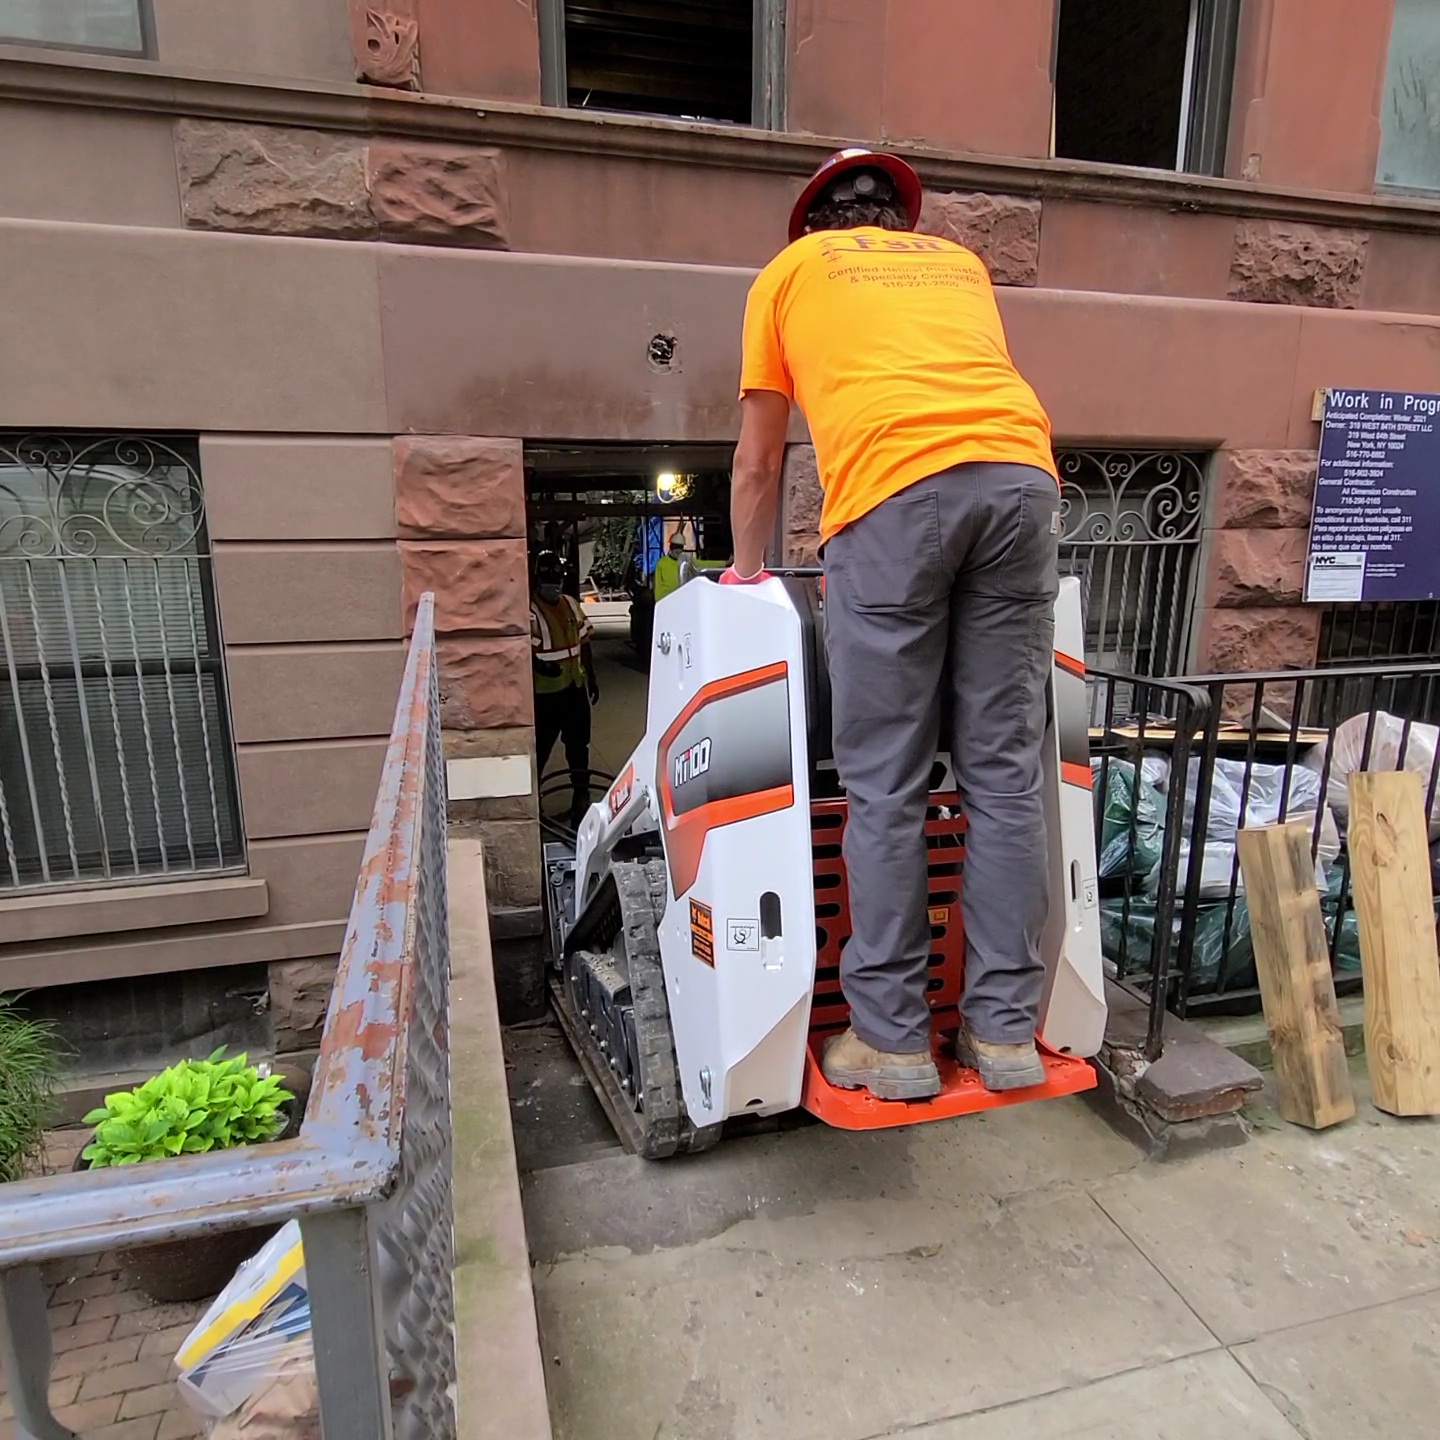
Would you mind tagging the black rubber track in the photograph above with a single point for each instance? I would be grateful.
(625, 930)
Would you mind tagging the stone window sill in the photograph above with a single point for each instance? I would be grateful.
(57, 915)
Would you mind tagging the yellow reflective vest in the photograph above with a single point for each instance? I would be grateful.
(558, 635)
(667, 576)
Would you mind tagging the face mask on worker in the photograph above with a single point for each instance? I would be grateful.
(550, 592)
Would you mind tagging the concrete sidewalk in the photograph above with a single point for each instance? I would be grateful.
(1021, 1274)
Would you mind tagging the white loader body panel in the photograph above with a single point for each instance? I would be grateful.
(724, 774)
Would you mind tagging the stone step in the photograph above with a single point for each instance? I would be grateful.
(1187, 1101)
(1246, 1036)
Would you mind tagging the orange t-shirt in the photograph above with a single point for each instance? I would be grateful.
(892, 345)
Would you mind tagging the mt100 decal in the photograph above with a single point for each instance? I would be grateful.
(692, 763)
(725, 759)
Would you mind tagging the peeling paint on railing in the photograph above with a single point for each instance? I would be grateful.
(375, 1140)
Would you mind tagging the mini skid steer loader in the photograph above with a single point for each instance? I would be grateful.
(697, 923)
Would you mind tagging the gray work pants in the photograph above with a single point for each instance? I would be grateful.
(950, 583)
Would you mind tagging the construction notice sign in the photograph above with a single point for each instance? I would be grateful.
(1377, 498)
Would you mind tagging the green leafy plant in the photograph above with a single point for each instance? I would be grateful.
(29, 1063)
(194, 1106)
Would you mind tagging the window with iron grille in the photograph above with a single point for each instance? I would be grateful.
(1131, 533)
(112, 27)
(116, 759)
(712, 60)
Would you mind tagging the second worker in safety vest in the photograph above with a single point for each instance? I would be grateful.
(563, 671)
(939, 534)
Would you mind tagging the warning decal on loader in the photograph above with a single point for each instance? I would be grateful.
(702, 933)
(742, 935)
(621, 791)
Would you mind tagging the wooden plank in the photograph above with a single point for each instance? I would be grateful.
(1390, 867)
(1292, 958)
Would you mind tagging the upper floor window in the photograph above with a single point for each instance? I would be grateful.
(1410, 111)
(113, 27)
(1145, 82)
(707, 60)
(116, 760)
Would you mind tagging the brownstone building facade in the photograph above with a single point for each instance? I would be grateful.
(295, 286)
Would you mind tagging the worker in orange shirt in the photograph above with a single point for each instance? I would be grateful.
(939, 537)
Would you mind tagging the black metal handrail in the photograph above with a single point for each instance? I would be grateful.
(1134, 713)
(1272, 745)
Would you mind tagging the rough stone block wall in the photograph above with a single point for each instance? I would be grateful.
(281, 180)
(800, 501)
(1002, 230)
(1279, 263)
(460, 516)
(299, 997)
(1254, 618)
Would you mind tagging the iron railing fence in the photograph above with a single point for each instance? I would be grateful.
(1134, 719)
(116, 757)
(1273, 747)
(368, 1177)
(1397, 634)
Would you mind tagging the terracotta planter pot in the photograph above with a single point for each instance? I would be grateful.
(190, 1269)
(197, 1269)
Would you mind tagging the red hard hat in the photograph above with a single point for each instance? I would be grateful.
(907, 183)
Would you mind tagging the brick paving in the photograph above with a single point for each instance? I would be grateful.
(112, 1378)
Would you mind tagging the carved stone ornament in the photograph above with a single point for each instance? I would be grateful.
(391, 55)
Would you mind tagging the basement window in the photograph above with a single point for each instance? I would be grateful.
(116, 758)
(715, 61)
(108, 27)
(1145, 82)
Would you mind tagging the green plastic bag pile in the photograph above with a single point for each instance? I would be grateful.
(1123, 851)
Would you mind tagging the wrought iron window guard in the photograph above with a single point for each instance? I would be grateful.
(1130, 529)
(117, 761)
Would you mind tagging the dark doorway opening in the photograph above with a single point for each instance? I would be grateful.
(611, 511)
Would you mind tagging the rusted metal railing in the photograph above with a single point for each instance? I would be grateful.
(368, 1177)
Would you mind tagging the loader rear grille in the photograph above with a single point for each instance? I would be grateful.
(945, 839)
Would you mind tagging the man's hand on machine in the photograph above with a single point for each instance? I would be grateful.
(732, 576)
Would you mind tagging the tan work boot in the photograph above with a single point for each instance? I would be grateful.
(853, 1065)
(1001, 1067)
